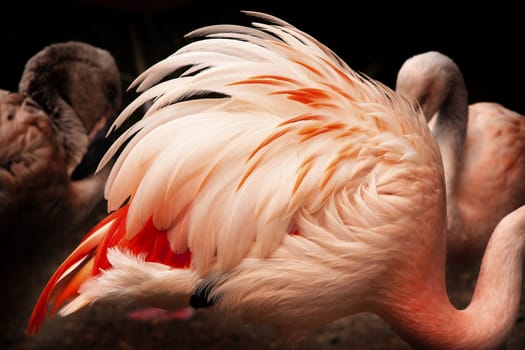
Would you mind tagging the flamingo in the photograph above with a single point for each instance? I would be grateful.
(483, 149)
(68, 93)
(271, 181)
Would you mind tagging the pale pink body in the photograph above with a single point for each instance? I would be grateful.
(491, 182)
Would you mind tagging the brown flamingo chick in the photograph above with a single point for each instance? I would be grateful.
(68, 94)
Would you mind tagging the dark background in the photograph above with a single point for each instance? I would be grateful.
(371, 37)
(485, 41)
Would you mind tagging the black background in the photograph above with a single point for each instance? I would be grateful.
(485, 41)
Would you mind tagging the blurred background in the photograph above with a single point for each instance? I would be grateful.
(372, 38)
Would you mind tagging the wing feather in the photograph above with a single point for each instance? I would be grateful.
(226, 177)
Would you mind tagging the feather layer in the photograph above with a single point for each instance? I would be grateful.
(299, 160)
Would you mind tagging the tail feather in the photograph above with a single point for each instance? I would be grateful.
(66, 280)
(90, 258)
(81, 274)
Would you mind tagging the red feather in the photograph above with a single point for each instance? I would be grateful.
(91, 257)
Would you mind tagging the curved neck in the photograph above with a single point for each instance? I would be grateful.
(449, 128)
(436, 83)
(425, 317)
(70, 133)
(46, 79)
(77, 85)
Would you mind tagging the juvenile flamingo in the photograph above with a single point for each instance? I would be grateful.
(483, 149)
(299, 192)
(67, 93)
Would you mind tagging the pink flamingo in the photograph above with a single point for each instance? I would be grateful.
(297, 193)
(483, 150)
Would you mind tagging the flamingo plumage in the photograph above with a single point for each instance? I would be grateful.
(272, 181)
(483, 147)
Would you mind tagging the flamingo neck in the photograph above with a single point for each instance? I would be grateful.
(436, 83)
(425, 317)
(449, 129)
